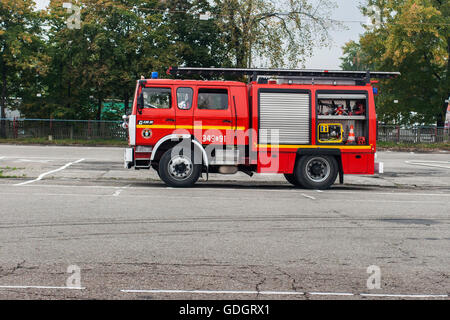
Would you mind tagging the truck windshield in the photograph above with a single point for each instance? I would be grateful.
(157, 98)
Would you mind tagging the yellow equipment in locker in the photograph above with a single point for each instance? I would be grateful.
(330, 133)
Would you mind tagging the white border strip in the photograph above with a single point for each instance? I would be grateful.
(50, 172)
(42, 287)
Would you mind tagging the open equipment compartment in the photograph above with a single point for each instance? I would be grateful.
(342, 108)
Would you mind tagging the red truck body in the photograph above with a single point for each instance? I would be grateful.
(265, 126)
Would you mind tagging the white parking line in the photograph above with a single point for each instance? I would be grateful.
(34, 161)
(202, 197)
(383, 295)
(1, 158)
(433, 164)
(344, 294)
(118, 192)
(288, 293)
(309, 197)
(50, 172)
(178, 197)
(197, 190)
(42, 287)
(279, 293)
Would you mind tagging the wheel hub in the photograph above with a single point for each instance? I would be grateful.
(180, 167)
(318, 169)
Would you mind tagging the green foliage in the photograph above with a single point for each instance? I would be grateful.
(281, 33)
(412, 37)
(22, 58)
(62, 73)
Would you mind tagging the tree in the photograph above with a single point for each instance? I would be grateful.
(355, 59)
(257, 32)
(413, 37)
(118, 41)
(21, 51)
(197, 43)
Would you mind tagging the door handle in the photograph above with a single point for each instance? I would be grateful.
(170, 120)
(227, 121)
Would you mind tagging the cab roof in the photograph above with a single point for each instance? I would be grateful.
(172, 82)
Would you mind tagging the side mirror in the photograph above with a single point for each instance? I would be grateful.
(140, 102)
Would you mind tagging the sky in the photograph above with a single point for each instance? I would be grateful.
(324, 58)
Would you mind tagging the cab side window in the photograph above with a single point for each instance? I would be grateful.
(184, 98)
(157, 98)
(213, 99)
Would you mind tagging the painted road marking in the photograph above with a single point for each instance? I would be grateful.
(197, 190)
(287, 293)
(309, 197)
(42, 287)
(50, 172)
(216, 292)
(44, 158)
(383, 295)
(204, 197)
(330, 294)
(352, 192)
(118, 192)
(34, 161)
(1, 158)
(433, 164)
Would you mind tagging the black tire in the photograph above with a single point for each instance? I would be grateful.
(317, 172)
(155, 167)
(292, 179)
(177, 170)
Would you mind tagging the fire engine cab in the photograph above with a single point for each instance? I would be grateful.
(309, 125)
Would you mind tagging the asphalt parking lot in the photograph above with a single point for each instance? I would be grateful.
(232, 237)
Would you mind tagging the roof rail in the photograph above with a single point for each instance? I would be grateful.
(305, 73)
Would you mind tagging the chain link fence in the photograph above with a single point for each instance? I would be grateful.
(112, 130)
(418, 134)
(63, 129)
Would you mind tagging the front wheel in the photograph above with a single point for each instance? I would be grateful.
(178, 170)
(317, 172)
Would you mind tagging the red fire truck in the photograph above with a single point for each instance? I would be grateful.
(309, 125)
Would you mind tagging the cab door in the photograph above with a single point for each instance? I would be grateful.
(157, 117)
(213, 116)
(185, 108)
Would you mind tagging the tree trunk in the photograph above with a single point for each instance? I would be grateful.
(3, 102)
(99, 109)
(126, 101)
(441, 119)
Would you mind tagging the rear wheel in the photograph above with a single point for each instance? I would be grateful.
(178, 170)
(316, 172)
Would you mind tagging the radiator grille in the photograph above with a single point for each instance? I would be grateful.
(287, 112)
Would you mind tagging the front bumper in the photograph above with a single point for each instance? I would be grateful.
(128, 158)
(379, 167)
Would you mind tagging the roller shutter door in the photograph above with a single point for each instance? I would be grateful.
(287, 112)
